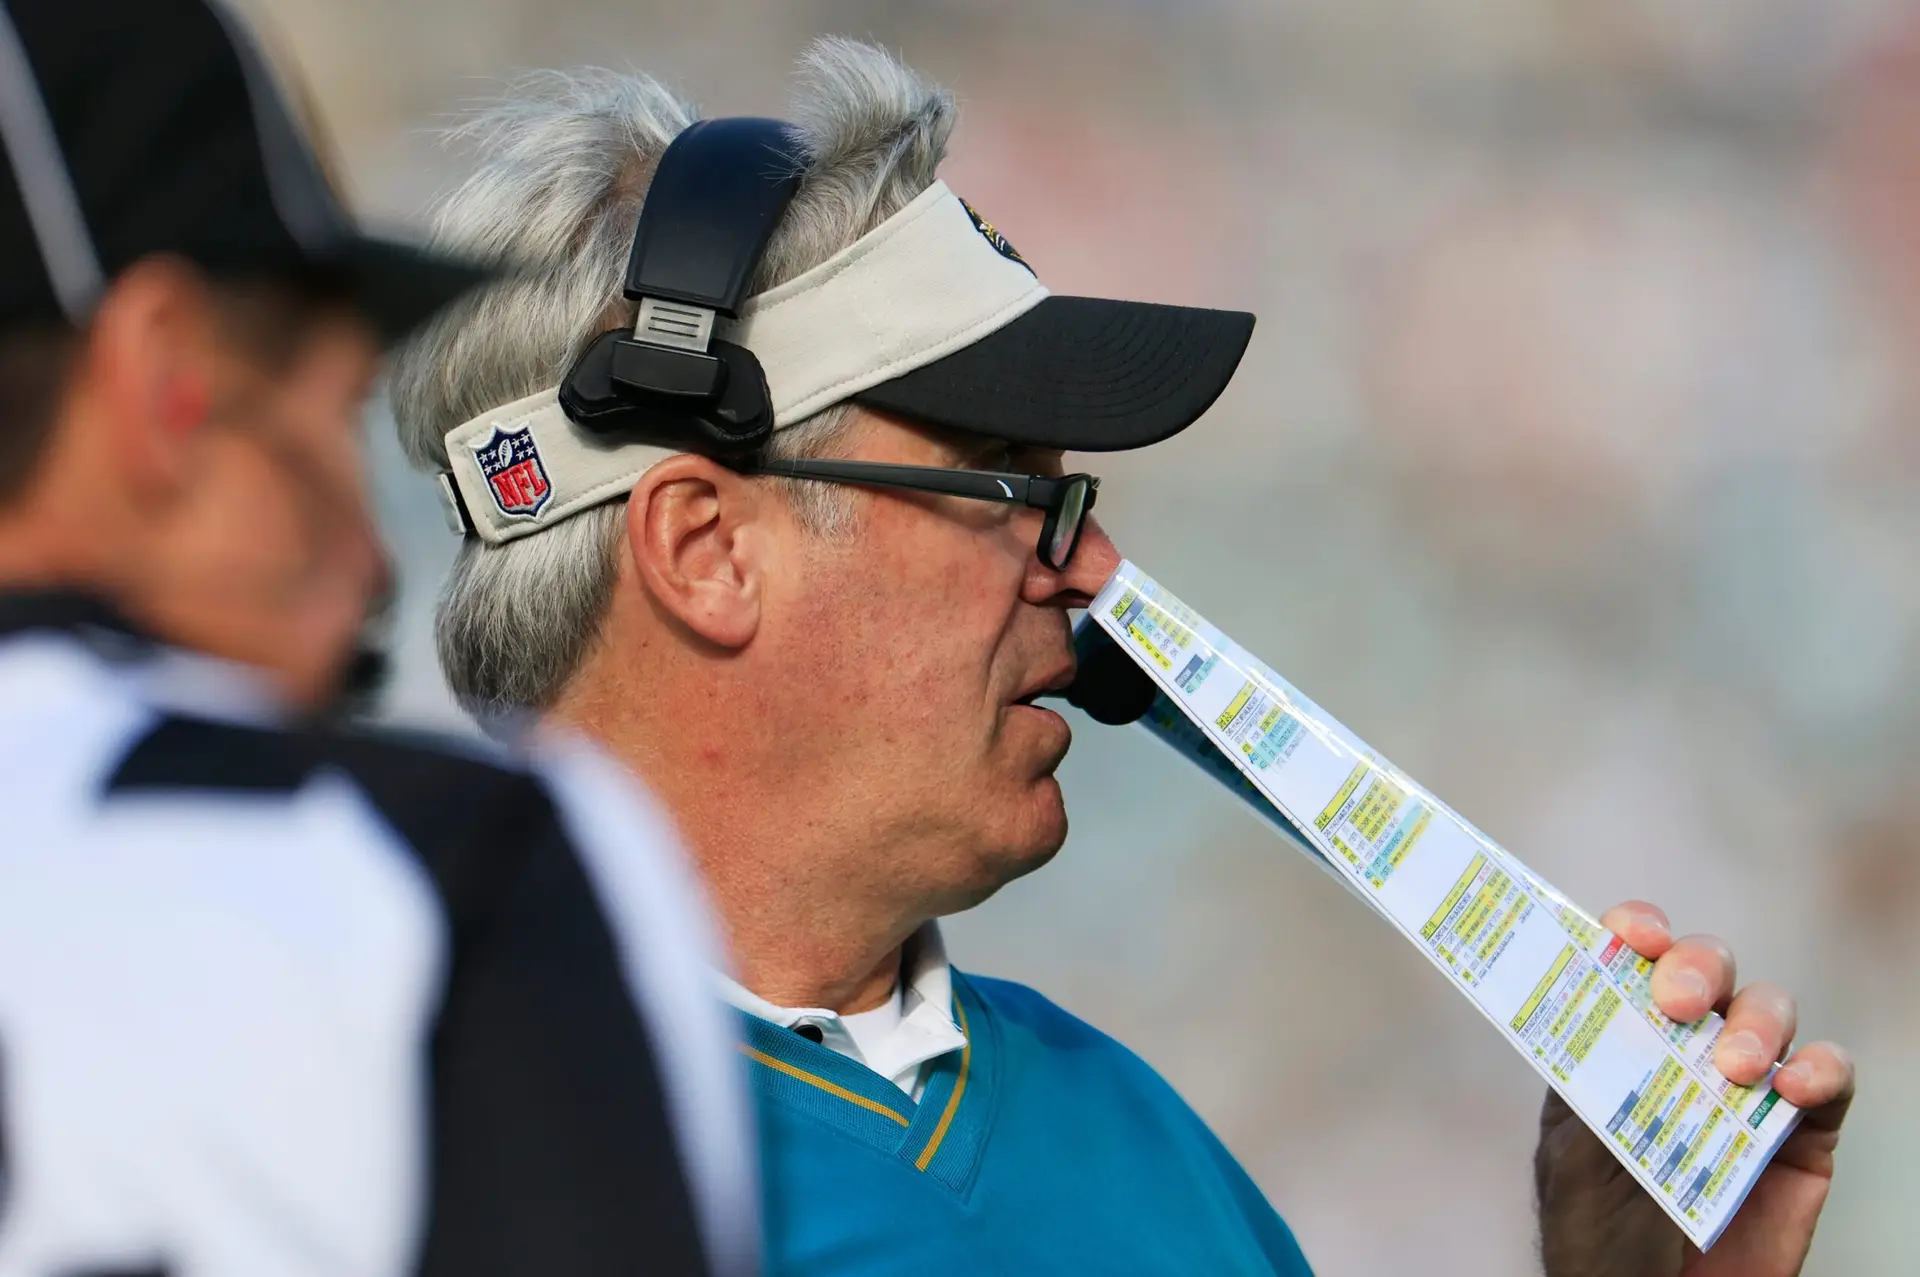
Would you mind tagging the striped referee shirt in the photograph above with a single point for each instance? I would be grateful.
(300, 1002)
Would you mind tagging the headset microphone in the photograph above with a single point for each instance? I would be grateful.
(1107, 686)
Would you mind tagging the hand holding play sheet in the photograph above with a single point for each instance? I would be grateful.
(1595, 1221)
(1620, 1020)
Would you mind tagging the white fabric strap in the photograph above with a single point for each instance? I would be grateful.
(566, 469)
(921, 285)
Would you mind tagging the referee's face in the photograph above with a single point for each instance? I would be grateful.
(270, 556)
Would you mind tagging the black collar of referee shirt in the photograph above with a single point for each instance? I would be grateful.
(104, 628)
(67, 611)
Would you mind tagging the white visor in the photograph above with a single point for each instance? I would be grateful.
(925, 283)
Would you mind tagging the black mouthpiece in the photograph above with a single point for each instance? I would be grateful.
(1108, 686)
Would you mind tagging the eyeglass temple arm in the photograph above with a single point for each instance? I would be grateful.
(986, 485)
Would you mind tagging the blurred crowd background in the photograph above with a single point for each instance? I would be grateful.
(1575, 465)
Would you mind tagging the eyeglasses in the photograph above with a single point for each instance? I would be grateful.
(1066, 499)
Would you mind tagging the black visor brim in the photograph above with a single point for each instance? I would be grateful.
(1082, 374)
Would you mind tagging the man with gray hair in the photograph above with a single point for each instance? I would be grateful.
(767, 497)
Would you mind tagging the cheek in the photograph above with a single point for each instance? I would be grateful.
(322, 424)
(236, 520)
(948, 600)
(250, 534)
(905, 621)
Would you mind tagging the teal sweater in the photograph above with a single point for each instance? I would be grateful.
(1044, 1147)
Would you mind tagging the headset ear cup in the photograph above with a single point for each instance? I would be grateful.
(742, 420)
(739, 423)
(588, 393)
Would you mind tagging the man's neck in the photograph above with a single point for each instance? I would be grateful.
(794, 945)
(807, 917)
(59, 536)
(40, 549)
(798, 935)
(772, 978)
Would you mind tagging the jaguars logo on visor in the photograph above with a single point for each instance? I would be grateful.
(994, 237)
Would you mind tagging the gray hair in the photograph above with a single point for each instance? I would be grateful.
(565, 160)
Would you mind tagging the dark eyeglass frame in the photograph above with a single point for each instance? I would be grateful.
(1051, 493)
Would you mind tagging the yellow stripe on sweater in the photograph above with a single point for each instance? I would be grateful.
(831, 1088)
(953, 1101)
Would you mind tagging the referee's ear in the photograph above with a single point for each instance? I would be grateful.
(149, 368)
(700, 539)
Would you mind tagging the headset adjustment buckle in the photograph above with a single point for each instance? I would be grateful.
(667, 354)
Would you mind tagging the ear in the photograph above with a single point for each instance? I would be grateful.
(151, 357)
(694, 531)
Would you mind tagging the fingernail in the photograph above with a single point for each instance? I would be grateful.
(1642, 918)
(1799, 1073)
(1743, 1048)
(1691, 984)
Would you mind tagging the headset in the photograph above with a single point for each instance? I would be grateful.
(716, 196)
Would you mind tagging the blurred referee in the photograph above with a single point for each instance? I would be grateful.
(277, 1000)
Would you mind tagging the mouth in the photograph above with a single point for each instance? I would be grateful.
(1052, 684)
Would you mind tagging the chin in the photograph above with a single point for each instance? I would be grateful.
(1036, 839)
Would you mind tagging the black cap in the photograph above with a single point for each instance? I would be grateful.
(1083, 374)
(135, 127)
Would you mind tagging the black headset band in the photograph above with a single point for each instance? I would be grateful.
(716, 196)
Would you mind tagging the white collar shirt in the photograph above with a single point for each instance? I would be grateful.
(897, 1038)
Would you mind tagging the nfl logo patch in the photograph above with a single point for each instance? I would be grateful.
(515, 477)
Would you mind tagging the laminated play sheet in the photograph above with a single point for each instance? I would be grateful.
(1568, 995)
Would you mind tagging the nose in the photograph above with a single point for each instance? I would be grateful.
(1094, 560)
